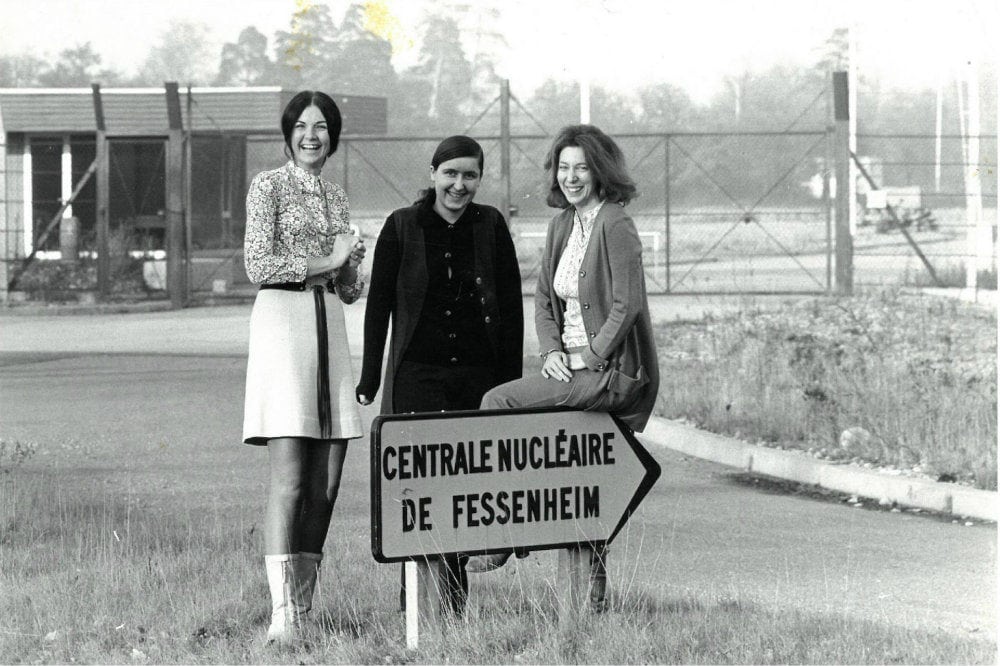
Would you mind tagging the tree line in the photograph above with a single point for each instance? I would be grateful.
(447, 90)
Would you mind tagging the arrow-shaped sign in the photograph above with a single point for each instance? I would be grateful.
(490, 481)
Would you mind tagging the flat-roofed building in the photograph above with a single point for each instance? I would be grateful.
(48, 139)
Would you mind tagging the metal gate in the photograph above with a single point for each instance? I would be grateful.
(135, 245)
(137, 195)
(716, 212)
(747, 213)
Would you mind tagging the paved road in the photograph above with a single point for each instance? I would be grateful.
(223, 329)
(163, 429)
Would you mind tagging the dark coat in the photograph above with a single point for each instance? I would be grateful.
(614, 307)
(399, 284)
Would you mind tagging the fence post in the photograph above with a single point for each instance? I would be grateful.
(188, 151)
(102, 184)
(980, 236)
(505, 149)
(844, 243)
(7, 248)
(828, 205)
(666, 212)
(69, 239)
(175, 197)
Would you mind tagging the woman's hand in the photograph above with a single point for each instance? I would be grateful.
(556, 366)
(357, 253)
(343, 246)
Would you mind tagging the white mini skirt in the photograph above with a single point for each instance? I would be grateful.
(285, 392)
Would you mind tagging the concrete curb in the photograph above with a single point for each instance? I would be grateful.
(800, 468)
(63, 309)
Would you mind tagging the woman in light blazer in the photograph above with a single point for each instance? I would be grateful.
(591, 313)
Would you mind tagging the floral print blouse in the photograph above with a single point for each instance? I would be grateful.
(566, 282)
(291, 215)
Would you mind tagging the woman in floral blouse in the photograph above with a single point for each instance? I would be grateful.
(300, 388)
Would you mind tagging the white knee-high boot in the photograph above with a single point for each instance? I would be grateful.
(281, 582)
(306, 570)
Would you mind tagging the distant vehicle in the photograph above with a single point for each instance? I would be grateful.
(873, 204)
(905, 202)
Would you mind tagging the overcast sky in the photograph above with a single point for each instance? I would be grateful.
(616, 43)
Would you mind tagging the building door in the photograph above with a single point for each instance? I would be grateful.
(137, 194)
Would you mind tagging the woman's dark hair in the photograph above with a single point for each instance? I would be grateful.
(449, 149)
(300, 103)
(605, 159)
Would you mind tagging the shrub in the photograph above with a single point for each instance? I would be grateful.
(887, 379)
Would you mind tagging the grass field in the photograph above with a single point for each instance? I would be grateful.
(885, 379)
(92, 577)
(134, 546)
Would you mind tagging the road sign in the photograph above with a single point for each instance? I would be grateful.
(489, 481)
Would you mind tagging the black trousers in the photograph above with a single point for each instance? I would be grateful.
(421, 387)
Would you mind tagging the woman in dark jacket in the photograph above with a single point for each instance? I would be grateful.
(591, 313)
(446, 273)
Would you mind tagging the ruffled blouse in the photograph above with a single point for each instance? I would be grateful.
(566, 282)
(292, 214)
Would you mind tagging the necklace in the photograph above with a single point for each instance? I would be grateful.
(324, 228)
(584, 235)
(326, 207)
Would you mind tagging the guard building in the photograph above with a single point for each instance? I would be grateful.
(49, 152)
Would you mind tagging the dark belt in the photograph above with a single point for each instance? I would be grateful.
(322, 348)
(297, 286)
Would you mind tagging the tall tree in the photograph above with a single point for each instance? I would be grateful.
(182, 55)
(245, 62)
(442, 64)
(487, 44)
(364, 67)
(361, 61)
(782, 97)
(832, 55)
(553, 104)
(304, 52)
(665, 107)
(77, 66)
(21, 70)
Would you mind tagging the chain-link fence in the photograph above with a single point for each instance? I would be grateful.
(717, 212)
(943, 197)
(743, 226)
(36, 225)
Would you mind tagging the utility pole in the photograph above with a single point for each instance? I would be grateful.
(175, 197)
(851, 184)
(102, 187)
(937, 136)
(843, 240)
(505, 208)
(980, 241)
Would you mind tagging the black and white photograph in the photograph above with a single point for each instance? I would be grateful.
(499, 331)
